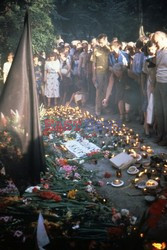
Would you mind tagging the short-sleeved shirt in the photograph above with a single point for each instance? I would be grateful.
(123, 58)
(138, 61)
(100, 58)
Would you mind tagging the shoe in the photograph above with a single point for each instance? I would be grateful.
(158, 139)
(163, 143)
(121, 118)
(98, 116)
(147, 135)
(107, 111)
(127, 118)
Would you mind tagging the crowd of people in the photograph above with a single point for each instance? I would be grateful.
(116, 77)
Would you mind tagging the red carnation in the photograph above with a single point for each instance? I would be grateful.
(107, 175)
(115, 231)
(35, 190)
(50, 195)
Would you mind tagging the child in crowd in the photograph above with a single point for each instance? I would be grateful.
(79, 98)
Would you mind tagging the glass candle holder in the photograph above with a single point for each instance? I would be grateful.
(158, 167)
(118, 173)
(144, 155)
(164, 173)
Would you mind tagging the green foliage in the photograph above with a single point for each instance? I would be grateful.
(42, 27)
(78, 19)
(12, 20)
(86, 19)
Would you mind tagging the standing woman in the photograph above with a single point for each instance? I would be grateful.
(66, 83)
(52, 75)
(123, 90)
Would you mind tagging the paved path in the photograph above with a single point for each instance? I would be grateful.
(126, 196)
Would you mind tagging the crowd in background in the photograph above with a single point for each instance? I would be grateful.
(116, 77)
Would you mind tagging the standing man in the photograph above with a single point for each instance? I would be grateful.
(160, 39)
(100, 70)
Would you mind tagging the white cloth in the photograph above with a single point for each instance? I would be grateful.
(150, 109)
(65, 65)
(151, 77)
(52, 83)
(81, 147)
(6, 68)
(42, 237)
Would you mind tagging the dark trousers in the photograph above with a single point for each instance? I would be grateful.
(101, 87)
(161, 109)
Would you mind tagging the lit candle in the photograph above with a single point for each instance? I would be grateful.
(157, 179)
(165, 166)
(153, 172)
(149, 150)
(140, 174)
(119, 173)
(143, 148)
(134, 154)
(127, 139)
(157, 165)
(164, 172)
(144, 155)
(136, 180)
(131, 131)
(117, 181)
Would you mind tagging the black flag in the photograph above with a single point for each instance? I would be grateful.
(22, 150)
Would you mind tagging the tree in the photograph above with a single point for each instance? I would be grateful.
(86, 19)
(12, 19)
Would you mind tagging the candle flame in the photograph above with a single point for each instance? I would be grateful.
(159, 245)
(141, 173)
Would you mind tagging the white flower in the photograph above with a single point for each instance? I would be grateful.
(133, 220)
(30, 189)
(89, 188)
(18, 233)
(67, 132)
(51, 137)
(125, 212)
(116, 217)
(81, 161)
(75, 227)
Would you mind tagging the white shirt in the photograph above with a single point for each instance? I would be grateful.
(6, 68)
